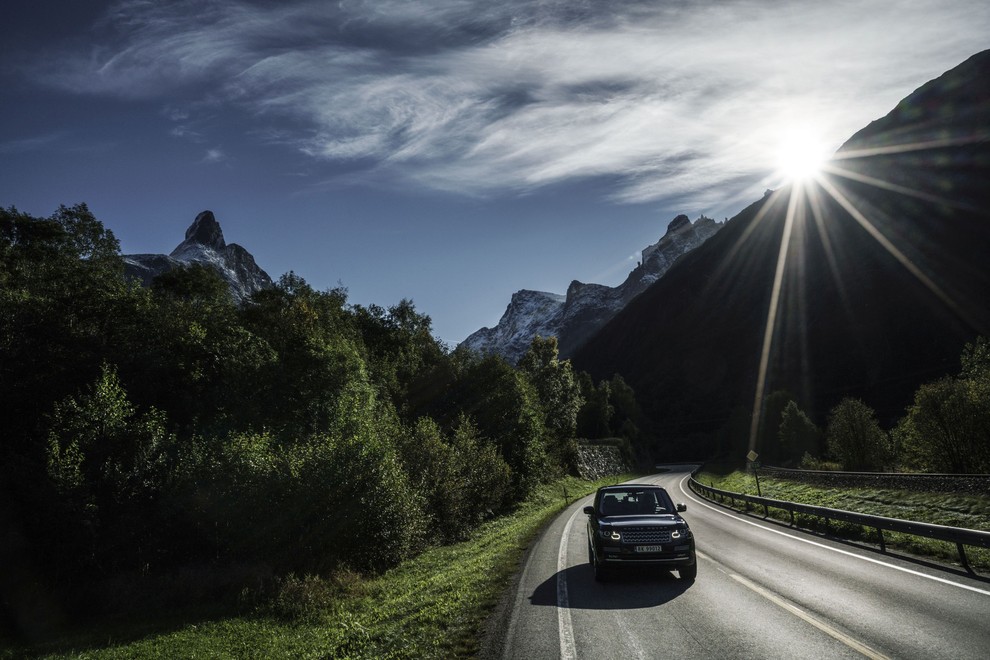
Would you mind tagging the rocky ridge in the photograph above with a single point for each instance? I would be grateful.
(204, 244)
(573, 318)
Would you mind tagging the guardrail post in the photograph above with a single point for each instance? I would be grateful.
(883, 546)
(792, 517)
(962, 557)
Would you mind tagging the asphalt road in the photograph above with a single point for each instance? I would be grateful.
(763, 591)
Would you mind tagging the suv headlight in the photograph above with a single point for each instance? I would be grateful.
(680, 534)
(610, 535)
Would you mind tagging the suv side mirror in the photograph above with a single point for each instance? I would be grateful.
(590, 510)
(681, 506)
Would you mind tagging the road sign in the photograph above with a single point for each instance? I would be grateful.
(752, 456)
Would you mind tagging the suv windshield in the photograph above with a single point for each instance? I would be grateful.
(635, 502)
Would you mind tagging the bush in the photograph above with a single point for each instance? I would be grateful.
(809, 462)
(332, 500)
(303, 599)
(486, 477)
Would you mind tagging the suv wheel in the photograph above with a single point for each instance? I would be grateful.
(595, 566)
(689, 572)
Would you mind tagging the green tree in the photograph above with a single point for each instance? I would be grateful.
(487, 478)
(855, 438)
(505, 408)
(798, 435)
(317, 353)
(559, 396)
(595, 417)
(61, 297)
(430, 464)
(110, 464)
(976, 360)
(189, 353)
(404, 359)
(947, 428)
(768, 439)
(193, 282)
(627, 419)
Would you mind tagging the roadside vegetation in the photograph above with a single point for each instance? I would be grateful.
(165, 449)
(431, 606)
(946, 429)
(950, 509)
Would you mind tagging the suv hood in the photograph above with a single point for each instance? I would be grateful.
(642, 521)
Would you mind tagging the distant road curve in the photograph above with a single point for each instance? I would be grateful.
(763, 591)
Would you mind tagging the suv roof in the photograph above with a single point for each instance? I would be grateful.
(628, 486)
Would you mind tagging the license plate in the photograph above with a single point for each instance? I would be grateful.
(648, 548)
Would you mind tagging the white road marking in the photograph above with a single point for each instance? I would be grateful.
(852, 643)
(564, 627)
(829, 548)
(510, 634)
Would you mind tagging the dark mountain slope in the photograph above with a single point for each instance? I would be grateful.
(879, 293)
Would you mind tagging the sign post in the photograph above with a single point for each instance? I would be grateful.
(752, 456)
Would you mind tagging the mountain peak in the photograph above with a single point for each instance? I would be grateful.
(204, 244)
(678, 223)
(205, 230)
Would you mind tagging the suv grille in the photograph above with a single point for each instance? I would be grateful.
(646, 535)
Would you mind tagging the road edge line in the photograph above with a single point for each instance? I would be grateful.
(934, 578)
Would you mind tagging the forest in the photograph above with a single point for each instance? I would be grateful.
(149, 431)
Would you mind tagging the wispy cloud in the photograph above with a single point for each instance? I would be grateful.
(25, 145)
(214, 156)
(670, 99)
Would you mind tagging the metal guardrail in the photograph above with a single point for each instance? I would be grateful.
(958, 535)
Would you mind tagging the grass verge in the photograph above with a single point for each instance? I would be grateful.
(951, 509)
(433, 606)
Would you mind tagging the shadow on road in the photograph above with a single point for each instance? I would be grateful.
(630, 589)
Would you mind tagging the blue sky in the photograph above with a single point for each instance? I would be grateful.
(447, 151)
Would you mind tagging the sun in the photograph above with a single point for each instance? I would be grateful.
(801, 153)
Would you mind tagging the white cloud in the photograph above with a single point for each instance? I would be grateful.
(678, 99)
(214, 156)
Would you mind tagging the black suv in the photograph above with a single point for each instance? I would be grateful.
(638, 525)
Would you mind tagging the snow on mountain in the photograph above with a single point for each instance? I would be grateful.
(204, 244)
(530, 313)
(573, 318)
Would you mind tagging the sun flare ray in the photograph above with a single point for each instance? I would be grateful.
(771, 325)
(893, 250)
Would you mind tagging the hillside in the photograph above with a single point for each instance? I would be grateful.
(586, 307)
(885, 278)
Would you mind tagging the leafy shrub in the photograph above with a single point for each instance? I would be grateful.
(485, 476)
(333, 499)
(302, 599)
